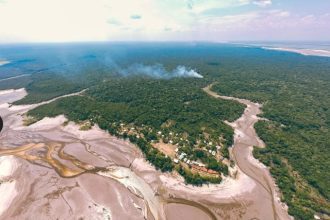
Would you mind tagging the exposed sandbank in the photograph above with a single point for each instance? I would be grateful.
(306, 52)
(4, 62)
(8, 191)
(133, 182)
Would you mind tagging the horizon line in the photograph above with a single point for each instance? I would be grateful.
(166, 41)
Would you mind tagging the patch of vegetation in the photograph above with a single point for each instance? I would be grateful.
(157, 158)
(47, 86)
(29, 120)
(195, 178)
(303, 199)
(15, 83)
(147, 106)
(85, 126)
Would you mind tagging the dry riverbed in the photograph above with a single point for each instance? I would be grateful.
(61, 172)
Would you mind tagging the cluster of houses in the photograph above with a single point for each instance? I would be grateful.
(196, 166)
(125, 129)
(182, 157)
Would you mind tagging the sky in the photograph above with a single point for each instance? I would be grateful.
(164, 20)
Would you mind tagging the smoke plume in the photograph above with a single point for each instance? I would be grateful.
(158, 71)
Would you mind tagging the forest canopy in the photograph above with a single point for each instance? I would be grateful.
(294, 91)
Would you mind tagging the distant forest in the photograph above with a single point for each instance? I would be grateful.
(294, 91)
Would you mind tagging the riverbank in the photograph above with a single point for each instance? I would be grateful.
(115, 177)
(40, 192)
(245, 139)
(305, 52)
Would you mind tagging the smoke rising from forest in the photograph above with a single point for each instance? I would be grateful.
(158, 71)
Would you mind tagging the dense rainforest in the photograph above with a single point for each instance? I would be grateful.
(150, 106)
(296, 101)
(293, 89)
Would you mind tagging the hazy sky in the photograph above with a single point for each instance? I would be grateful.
(153, 20)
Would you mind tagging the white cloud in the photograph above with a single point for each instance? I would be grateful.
(199, 6)
(262, 3)
(264, 25)
(47, 20)
(97, 20)
(89, 20)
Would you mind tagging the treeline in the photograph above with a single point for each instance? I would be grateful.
(158, 159)
(293, 91)
(301, 196)
(195, 178)
(145, 102)
(46, 85)
(212, 162)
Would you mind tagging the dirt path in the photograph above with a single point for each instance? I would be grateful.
(244, 140)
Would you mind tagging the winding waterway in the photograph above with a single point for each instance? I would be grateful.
(50, 148)
(244, 140)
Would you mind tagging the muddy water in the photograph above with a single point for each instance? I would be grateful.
(184, 212)
(47, 153)
(103, 159)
